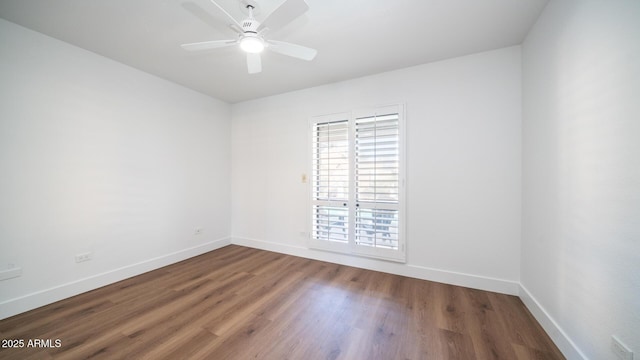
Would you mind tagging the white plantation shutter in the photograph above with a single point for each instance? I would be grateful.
(357, 189)
(330, 179)
(377, 180)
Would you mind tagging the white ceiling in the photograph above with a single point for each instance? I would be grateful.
(354, 38)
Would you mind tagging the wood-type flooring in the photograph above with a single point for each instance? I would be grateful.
(243, 303)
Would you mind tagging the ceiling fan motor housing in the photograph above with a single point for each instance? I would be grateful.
(250, 25)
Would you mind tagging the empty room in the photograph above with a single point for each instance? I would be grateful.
(309, 179)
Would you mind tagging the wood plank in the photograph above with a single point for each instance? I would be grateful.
(240, 303)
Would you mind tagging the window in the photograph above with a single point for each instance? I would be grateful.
(357, 185)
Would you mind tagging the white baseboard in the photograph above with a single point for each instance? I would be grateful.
(559, 337)
(40, 298)
(414, 271)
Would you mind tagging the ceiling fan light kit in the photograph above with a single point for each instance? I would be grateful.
(250, 34)
(252, 44)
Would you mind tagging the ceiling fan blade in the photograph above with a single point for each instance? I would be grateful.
(284, 14)
(254, 64)
(207, 45)
(233, 21)
(293, 50)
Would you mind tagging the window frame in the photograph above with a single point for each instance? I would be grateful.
(351, 247)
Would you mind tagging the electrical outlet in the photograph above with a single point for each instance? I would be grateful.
(198, 231)
(620, 349)
(83, 257)
(303, 178)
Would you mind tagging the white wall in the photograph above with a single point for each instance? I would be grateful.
(581, 174)
(463, 167)
(97, 156)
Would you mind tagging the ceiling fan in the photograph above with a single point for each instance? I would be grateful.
(251, 34)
